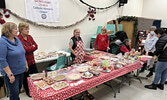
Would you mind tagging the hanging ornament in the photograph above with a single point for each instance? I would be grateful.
(92, 12)
(5, 13)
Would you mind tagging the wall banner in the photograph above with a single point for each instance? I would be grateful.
(42, 10)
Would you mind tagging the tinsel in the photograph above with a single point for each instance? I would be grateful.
(47, 26)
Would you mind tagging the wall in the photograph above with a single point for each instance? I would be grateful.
(155, 9)
(70, 12)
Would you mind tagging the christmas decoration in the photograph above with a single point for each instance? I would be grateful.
(5, 13)
(91, 13)
(130, 19)
(46, 26)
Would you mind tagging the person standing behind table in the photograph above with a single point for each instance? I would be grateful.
(12, 59)
(102, 41)
(161, 65)
(149, 48)
(123, 47)
(30, 46)
(76, 47)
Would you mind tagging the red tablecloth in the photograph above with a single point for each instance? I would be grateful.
(145, 59)
(91, 57)
(51, 94)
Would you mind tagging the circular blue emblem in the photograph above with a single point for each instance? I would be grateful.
(43, 16)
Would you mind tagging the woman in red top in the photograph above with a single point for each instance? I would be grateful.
(102, 40)
(30, 46)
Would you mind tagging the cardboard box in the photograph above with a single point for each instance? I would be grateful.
(110, 22)
(2, 92)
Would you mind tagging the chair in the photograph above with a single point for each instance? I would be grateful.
(69, 62)
(93, 38)
(98, 31)
(120, 27)
(111, 27)
(60, 63)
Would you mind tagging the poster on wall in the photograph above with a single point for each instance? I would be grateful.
(42, 10)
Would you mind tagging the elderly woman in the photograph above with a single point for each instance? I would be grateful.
(149, 48)
(30, 46)
(12, 59)
(161, 65)
(102, 40)
(76, 47)
(123, 47)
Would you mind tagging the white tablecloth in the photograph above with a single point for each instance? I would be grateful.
(52, 58)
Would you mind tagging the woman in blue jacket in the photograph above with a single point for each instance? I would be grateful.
(12, 59)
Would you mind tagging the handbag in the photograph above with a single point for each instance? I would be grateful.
(156, 57)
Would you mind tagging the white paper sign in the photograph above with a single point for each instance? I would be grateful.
(42, 10)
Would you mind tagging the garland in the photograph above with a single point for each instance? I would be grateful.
(98, 7)
(130, 18)
(47, 26)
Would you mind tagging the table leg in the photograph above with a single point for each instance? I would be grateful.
(109, 85)
(139, 77)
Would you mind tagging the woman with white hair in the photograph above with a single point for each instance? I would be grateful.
(149, 48)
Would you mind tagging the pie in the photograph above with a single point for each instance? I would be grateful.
(94, 67)
(59, 77)
(37, 76)
(74, 76)
(52, 73)
(82, 69)
(59, 85)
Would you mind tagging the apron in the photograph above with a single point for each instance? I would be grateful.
(79, 53)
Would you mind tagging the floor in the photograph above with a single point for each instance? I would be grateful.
(135, 91)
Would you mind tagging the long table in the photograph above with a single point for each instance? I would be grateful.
(52, 58)
(79, 86)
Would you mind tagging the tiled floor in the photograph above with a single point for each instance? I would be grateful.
(135, 91)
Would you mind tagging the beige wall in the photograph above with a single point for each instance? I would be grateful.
(70, 12)
(155, 9)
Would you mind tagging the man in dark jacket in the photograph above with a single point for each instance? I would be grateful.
(161, 66)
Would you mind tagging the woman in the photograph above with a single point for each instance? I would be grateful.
(161, 66)
(123, 47)
(12, 59)
(102, 41)
(149, 48)
(30, 46)
(76, 47)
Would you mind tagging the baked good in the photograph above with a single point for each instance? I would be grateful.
(87, 75)
(64, 70)
(49, 80)
(41, 84)
(95, 72)
(59, 77)
(59, 85)
(52, 73)
(74, 76)
(82, 69)
(37, 76)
